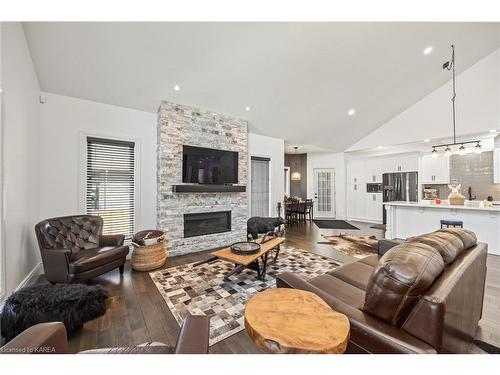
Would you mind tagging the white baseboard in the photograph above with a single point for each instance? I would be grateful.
(364, 220)
(30, 278)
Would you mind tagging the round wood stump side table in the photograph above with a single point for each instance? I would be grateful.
(286, 320)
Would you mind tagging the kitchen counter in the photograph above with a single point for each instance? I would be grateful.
(407, 219)
(469, 205)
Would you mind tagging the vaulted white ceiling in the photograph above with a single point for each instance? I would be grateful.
(299, 79)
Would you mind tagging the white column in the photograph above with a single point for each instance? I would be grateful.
(389, 226)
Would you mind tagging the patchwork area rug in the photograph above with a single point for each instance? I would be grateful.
(201, 290)
(357, 247)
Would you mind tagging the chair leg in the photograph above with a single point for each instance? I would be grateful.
(122, 268)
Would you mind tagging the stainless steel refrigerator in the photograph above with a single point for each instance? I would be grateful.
(401, 186)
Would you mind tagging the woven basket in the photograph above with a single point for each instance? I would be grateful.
(457, 200)
(147, 258)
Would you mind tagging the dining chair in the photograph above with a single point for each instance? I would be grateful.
(309, 209)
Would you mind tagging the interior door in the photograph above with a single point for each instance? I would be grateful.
(324, 193)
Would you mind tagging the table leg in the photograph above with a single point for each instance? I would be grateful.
(264, 266)
(237, 269)
(276, 254)
(257, 268)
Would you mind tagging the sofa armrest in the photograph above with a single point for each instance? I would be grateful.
(111, 240)
(44, 338)
(193, 338)
(56, 264)
(291, 280)
(385, 245)
(367, 332)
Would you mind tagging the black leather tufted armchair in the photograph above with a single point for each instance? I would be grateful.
(74, 250)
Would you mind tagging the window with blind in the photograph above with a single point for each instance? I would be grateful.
(111, 184)
(259, 185)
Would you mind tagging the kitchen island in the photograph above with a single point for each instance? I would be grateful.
(407, 219)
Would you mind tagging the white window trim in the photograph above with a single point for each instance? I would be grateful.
(287, 180)
(82, 171)
(268, 156)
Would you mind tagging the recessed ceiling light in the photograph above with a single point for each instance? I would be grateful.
(428, 50)
(177, 88)
(493, 131)
(247, 108)
(380, 147)
(426, 140)
(351, 112)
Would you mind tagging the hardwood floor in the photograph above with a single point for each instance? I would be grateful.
(137, 312)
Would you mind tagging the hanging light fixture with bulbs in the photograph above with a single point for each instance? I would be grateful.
(295, 176)
(450, 65)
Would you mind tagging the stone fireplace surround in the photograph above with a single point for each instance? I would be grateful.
(180, 125)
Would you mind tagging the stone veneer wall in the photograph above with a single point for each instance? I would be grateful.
(180, 125)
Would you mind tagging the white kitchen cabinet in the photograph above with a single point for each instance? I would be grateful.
(356, 189)
(360, 204)
(394, 164)
(373, 211)
(390, 165)
(435, 170)
(365, 206)
(373, 171)
(496, 166)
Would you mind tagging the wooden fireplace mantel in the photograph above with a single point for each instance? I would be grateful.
(205, 188)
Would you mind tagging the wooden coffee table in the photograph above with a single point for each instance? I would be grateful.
(295, 321)
(257, 262)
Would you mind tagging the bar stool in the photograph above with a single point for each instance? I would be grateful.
(452, 224)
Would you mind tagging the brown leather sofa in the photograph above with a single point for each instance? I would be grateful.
(51, 338)
(74, 250)
(424, 295)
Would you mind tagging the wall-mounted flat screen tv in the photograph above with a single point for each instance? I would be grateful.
(209, 166)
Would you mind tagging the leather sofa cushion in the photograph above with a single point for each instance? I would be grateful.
(345, 292)
(357, 274)
(93, 258)
(371, 260)
(401, 277)
(447, 244)
(467, 237)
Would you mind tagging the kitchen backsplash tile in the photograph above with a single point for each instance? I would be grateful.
(474, 170)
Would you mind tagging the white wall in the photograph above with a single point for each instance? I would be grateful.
(329, 160)
(2, 247)
(65, 121)
(477, 109)
(273, 148)
(20, 151)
